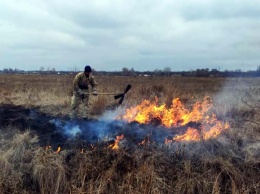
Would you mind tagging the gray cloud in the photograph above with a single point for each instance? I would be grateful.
(145, 35)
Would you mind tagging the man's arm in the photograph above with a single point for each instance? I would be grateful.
(76, 84)
(93, 83)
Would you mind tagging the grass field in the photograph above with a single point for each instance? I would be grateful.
(229, 163)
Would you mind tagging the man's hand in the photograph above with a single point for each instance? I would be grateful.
(82, 95)
(95, 93)
(79, 92)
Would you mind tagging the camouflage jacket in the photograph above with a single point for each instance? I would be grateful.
(81, 82)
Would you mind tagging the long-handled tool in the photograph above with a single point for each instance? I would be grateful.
(116, 95)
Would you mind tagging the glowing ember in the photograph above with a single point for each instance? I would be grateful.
(178, 115)
(142, 143)
(115, 146)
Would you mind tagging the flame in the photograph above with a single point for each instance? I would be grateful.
(115, 145)
(178, 115)
(47, 148)
(144, 142)
(58, 149)
(191, 134)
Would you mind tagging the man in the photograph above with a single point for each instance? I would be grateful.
(81, 91)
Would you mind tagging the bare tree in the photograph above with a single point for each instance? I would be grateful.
(258, 68)
(167, 69)
(41, 68)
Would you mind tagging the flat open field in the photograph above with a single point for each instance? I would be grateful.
(52, 93)
(170, 135)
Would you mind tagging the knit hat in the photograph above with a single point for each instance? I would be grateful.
(87, 68)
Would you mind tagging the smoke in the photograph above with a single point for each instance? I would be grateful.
(72, 131)
(92, 131)
(237, 101)
(110, 115)
(236, 93)
(107, 127)
(58, 131)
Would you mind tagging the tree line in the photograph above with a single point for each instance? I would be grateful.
(167, 71)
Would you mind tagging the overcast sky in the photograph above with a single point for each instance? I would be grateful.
(139, 34)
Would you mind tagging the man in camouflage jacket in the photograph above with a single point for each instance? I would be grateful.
(81, 91)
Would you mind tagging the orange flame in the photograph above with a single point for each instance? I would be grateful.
(58, 150)
(144, 142)
(115, 145)
(178, 115)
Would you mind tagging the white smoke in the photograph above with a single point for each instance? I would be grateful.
(68, 128)
(111, 115)
(72, 131)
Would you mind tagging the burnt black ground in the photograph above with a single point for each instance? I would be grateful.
(23, 119)
(60, 131)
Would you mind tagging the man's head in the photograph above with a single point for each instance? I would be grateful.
(87, 70)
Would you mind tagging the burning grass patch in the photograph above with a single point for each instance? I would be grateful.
(86, 162)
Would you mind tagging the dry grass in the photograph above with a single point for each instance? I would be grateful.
(53, 92)
(210, 167)
(48, 170)
(15, 161)
(228, 164)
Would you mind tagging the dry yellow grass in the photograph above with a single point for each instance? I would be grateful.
(229, 164)
(53, 93)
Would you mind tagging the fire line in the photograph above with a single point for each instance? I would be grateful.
(178, 115)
